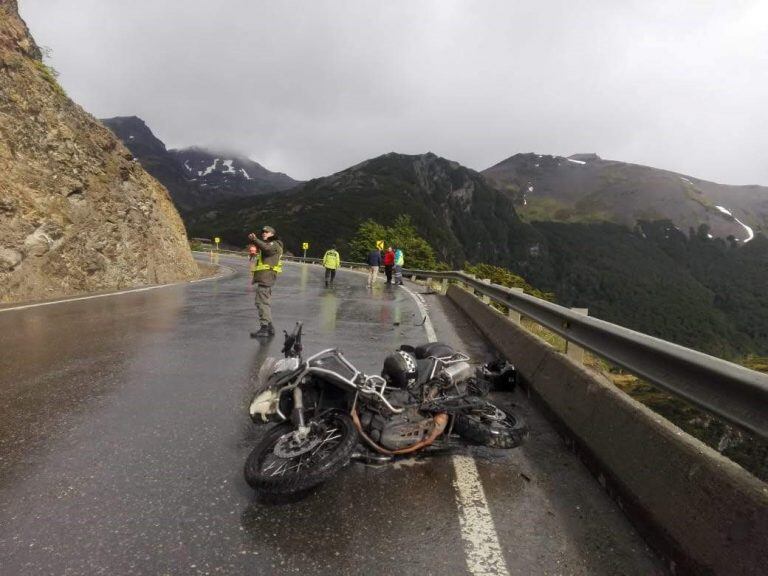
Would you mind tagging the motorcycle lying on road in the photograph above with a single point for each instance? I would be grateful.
(326, 409)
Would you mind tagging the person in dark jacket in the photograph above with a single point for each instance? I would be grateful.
(389, 263)
(374, 261)
(267, 265)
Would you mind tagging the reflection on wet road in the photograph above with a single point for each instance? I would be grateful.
(125, 429)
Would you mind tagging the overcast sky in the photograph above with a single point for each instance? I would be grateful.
(310, 88)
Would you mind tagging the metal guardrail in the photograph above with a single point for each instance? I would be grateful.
(737, 394)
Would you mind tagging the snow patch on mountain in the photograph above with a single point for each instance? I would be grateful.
(210, 168)
(230, 169)
(750, 232)
(575, 161)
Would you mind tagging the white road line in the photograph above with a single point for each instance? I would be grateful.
(481, 541)
(94, 296)
(431, 336)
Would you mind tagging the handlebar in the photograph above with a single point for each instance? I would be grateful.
(292, 347)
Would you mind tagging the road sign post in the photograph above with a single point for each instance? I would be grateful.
(305, 247)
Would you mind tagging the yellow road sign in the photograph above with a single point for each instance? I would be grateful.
(380, 244)
(217, 239)
(305, 246)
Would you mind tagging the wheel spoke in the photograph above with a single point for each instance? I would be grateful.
(280, 470)
(280, 466)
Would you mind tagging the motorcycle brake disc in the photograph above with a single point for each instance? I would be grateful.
(292, 445)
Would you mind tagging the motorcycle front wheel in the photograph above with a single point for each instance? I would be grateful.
(285, 462)
(489, 425)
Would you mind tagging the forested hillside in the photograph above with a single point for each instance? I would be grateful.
(453, 207)
(705, 293)
(699, 292)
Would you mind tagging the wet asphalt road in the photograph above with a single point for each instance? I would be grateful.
(124, 429)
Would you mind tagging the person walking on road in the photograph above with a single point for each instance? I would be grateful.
(267, 265)
(389, 263)
(374, 261)
(331, 261)
(399, 263)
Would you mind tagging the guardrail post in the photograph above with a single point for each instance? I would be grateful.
(512, 314)
(574, 352)
(468, 287)
(485, 298)
(444, 286)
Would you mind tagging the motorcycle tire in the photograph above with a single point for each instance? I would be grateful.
(489, 425)
(283, 476)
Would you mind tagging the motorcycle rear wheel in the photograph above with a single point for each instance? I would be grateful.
(489, 425)
(331, 442)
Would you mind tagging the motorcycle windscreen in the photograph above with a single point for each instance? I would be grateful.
(334, 362)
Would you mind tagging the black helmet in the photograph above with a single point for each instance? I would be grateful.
(400, 369)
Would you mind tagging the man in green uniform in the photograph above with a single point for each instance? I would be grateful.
(267, 265)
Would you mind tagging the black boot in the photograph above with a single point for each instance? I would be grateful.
(263, 332)
(271, 329)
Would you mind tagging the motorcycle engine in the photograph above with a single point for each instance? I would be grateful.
(456, 373)
(398, 431)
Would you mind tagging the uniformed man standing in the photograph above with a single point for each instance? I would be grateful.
(267, 265)
(331, 261)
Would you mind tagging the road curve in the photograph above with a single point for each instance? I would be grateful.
(124, 432)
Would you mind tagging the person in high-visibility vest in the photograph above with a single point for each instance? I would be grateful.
(399, 263)
(265, 268)
(331, 261)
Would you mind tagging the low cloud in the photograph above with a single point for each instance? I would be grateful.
(310, 88)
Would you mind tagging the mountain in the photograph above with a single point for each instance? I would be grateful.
(586, 188)
(194, 176)
(230, 173)
(698, 291)
(77, 214)
(462, 216)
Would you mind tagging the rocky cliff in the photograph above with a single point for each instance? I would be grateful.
(77, 214)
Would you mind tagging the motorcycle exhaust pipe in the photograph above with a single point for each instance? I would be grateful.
(369, 458)
(440, 422)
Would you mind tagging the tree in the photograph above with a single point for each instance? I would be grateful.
(402, 234)
(504, 277)
(418, 253)
(364, 240)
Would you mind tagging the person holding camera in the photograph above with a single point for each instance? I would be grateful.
(267, 265)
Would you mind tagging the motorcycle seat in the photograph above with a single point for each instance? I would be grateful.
(430, 349)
